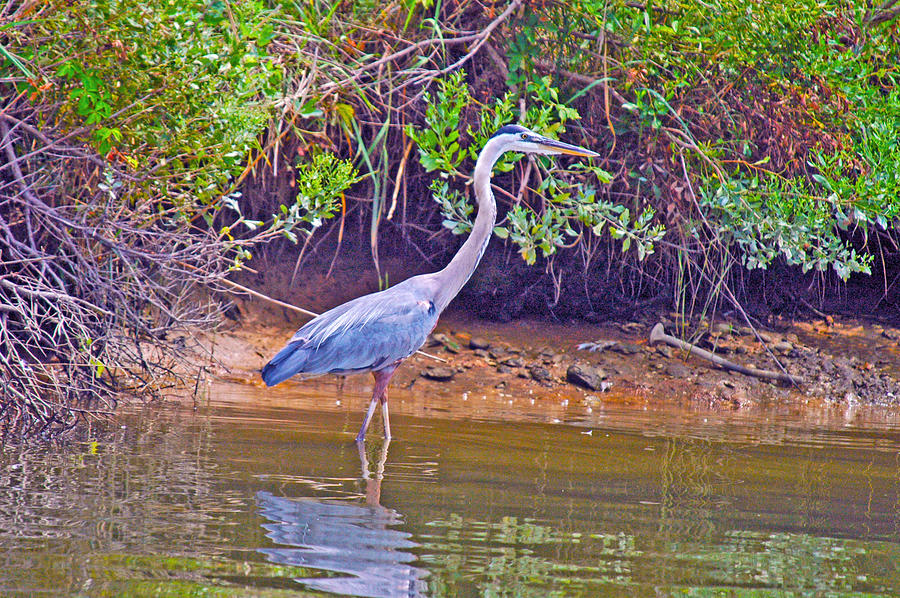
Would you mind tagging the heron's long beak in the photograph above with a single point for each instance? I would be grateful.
(565, 148)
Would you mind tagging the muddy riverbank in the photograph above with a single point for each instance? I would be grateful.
(502, 368)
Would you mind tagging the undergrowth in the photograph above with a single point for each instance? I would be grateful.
(149, 149)
(736, 136)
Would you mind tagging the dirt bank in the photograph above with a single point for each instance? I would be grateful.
(845, 363)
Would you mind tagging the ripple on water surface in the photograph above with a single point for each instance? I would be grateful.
(247, 498)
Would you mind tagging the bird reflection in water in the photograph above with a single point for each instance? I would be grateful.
(356, 541)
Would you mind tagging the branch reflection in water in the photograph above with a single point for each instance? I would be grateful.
(356, 541)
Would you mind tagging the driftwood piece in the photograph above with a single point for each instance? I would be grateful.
(658, 335)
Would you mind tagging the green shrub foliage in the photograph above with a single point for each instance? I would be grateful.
(733, 136)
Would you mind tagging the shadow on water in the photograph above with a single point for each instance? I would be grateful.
(357, 542)
(245, 498)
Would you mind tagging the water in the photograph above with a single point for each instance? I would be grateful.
(254, 498)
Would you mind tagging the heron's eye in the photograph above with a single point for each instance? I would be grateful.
(524, 135)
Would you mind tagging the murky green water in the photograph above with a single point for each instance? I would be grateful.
(235, 500)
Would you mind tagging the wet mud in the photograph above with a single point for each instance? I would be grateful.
(547, 371)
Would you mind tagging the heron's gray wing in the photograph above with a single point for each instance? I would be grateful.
(368, 333)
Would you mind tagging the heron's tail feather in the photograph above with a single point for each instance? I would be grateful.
(288, 362)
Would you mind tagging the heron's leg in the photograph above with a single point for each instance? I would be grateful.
(379, 394)
(362, 431)
(387, 419)
(383, 378)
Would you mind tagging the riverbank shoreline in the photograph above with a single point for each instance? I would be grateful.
(850, 367)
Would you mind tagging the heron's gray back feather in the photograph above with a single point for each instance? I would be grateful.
(367, 333)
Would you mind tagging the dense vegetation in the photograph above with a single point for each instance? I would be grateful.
(148, 147)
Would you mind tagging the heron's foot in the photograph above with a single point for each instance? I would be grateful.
(601, 345)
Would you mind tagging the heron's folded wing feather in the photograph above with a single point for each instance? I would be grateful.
(367, 333)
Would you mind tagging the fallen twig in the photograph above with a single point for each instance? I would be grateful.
(658, 334)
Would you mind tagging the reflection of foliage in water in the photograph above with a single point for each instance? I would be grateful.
(102, 517)
(895, 512)
(701, 531)
(812, 489)
(797, 562)
(514, 557)
(180, 576)
(694, 486)
(166, 507)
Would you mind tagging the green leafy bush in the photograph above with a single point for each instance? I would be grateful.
(781, 118)
(570, 209)
(109, 256)
(182, 88)
(321, 183)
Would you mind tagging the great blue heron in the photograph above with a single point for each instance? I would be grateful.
(375, 332)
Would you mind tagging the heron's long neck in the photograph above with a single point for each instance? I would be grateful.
(457, 273)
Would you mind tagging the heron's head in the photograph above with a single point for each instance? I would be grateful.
(516, 138)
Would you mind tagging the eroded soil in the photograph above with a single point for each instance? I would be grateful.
(504, 370)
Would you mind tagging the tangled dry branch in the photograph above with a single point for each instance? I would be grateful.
(97, 290)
